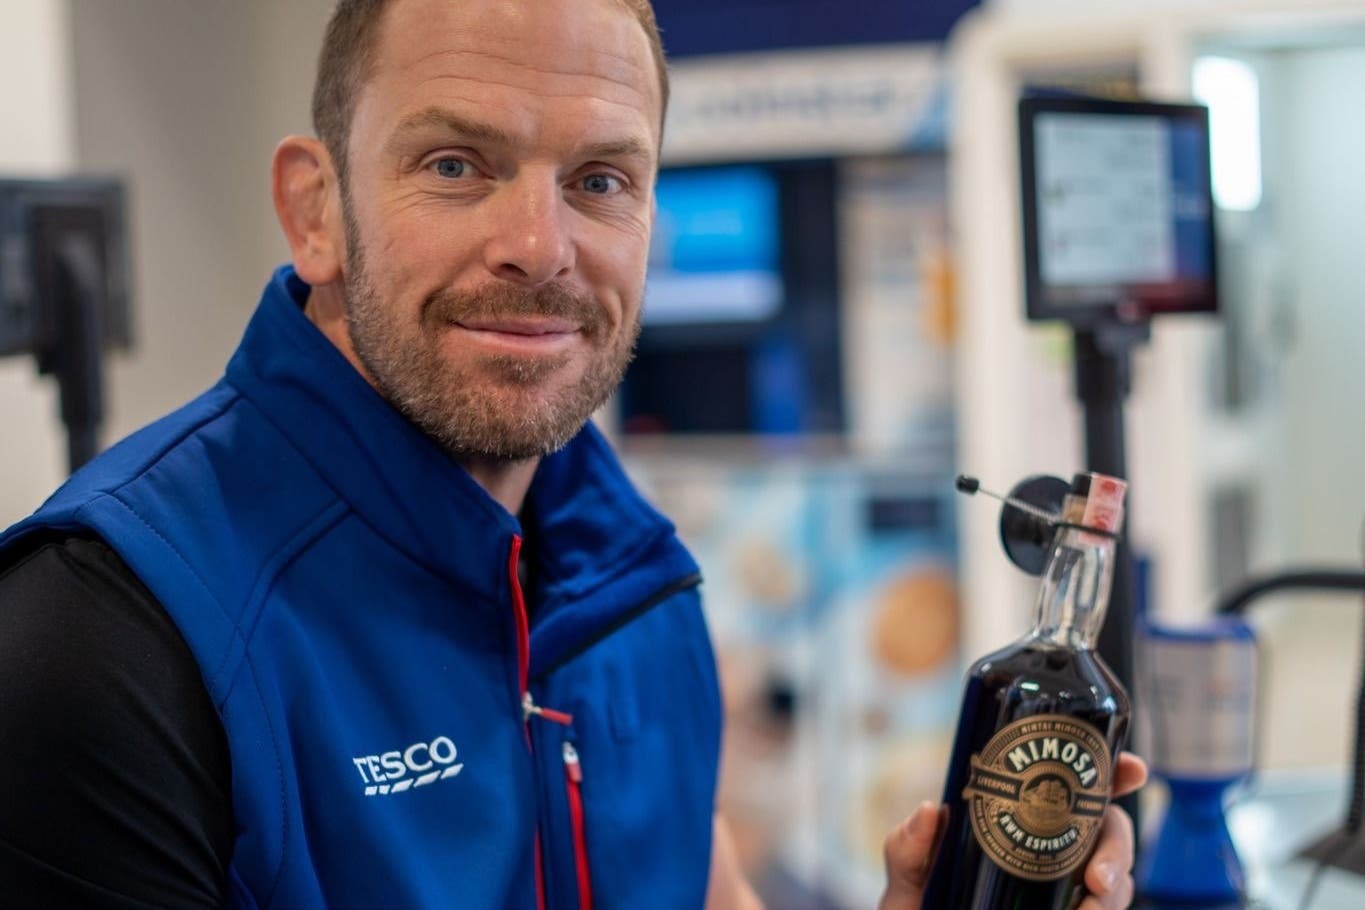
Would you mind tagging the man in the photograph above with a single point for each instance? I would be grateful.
(378, 621)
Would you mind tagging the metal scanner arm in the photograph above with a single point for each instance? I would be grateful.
(1345, 848)
(1235, 602)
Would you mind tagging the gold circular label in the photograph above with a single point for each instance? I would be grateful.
(1037, 794)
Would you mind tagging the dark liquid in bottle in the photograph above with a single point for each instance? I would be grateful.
(1023, 680)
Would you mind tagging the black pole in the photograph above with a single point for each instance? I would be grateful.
(78, 360)
(1103, 380)
(68, 290)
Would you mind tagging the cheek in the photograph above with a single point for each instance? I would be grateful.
(413, 231)
(616, 268)
(420, 254)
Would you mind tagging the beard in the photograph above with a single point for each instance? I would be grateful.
(485, 407)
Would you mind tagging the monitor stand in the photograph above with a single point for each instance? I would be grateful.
(1104, 377)
(77, 356)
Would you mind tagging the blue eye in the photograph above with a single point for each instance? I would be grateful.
(601, 184)
(451, 168)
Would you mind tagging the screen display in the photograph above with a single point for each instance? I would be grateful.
(741, 329)
(1118, 212)
(716, 247)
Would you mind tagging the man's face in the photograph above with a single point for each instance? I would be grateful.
(498, 210)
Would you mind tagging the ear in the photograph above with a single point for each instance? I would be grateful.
(304, 187)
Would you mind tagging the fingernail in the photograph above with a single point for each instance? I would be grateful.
(1109, 875)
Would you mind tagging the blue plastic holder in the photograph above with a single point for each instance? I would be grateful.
(1192, 861)
(1199, 690)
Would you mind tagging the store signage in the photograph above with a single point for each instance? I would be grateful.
(695, 28)
(806, 104)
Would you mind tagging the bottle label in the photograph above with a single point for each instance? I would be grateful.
(1104, 505)
(1037, 794)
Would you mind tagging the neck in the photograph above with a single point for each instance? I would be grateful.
(326, 309)
(1075, 590)
(506, 481)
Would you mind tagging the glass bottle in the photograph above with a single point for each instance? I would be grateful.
(1041, 726)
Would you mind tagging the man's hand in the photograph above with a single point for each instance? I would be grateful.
(727, 888)
(911, 846)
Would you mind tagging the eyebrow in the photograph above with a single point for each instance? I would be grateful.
(453, 123)
(487, 134)
(620, 148)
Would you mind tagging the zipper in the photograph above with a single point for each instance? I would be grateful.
(523, 625)
(573, 781)
(573, 769)
(529, 708)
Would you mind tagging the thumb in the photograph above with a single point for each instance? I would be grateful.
(909, 853)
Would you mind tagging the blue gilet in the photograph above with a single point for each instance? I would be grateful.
(403, 732)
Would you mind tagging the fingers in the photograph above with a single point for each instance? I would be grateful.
(909, 854)
(1107, 876)
(1129, 774)
(909, 850)
(1118, 899)
(727, 888)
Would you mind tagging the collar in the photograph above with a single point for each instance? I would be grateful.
(592, 531)
(602, 552)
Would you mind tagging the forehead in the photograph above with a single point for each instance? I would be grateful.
(529, 65)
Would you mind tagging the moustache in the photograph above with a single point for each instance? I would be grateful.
(507, 300)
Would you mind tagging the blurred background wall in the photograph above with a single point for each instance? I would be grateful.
(188, 101)
(185, 101)
(38, 139)
(850, 216)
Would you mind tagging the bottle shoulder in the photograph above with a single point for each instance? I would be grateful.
(1046, 671)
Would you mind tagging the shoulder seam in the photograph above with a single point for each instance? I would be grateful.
(312, 531)
(318, 525)
(165, 542)
(280, 777)
(174, 442)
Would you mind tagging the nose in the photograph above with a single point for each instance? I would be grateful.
(529, 241)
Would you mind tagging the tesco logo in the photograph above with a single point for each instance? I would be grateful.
(419, 765)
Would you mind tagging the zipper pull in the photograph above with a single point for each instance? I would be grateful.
(529, 707)
(573, 785)
(571, 765)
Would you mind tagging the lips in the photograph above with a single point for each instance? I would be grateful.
(521, 326)
(520, 336)
(507, 320)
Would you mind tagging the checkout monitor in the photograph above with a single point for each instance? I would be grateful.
(1117, 209)
(741, 333)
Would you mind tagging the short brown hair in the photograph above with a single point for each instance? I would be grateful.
(347, 60)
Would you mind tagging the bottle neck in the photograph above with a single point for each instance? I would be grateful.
(1074, 594)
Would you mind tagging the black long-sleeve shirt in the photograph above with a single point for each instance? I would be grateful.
(114, 772)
